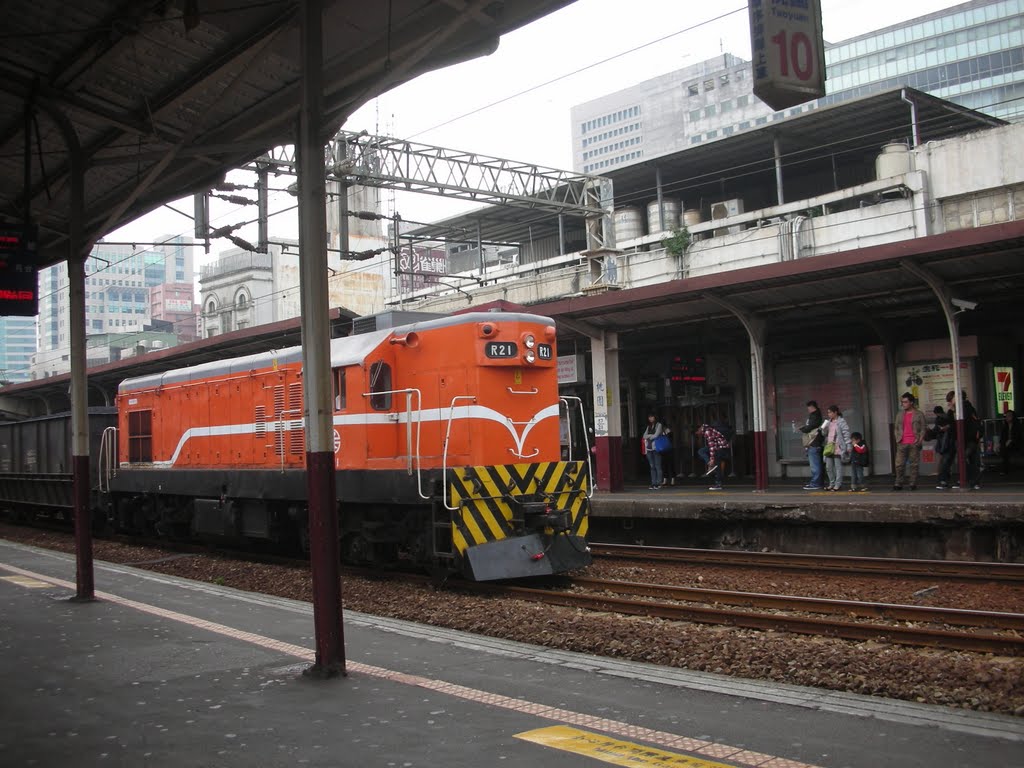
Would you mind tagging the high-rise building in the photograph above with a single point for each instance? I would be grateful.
(174, 303)
(117, 297)
(17, 345)
(971, 54)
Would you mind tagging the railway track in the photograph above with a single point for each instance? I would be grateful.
(668, 607)
(884, 566)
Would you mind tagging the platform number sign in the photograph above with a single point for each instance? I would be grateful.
(19, 284)
(787, 51)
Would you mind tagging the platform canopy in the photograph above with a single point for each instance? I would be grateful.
(166, 96)
(837, 299)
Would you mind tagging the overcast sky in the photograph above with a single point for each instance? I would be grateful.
(534, 127)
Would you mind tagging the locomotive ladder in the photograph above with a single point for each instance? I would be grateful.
(442, 523)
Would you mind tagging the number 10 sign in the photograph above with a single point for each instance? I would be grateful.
(787, 50)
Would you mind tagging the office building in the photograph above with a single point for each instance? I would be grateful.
(117, 297)
(17, 345)
(971, 54)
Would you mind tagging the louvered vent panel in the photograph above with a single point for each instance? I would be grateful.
(296, 434)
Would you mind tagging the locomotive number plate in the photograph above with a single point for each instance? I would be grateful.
(544, 352)
(501, 349)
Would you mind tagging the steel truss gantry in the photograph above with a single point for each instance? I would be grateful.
(390, 163)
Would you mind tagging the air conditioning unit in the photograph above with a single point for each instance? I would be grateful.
(724, 210)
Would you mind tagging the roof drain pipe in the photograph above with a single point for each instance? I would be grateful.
(913, 116)
(796, 224)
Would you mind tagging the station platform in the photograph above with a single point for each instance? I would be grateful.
(999, 495)
(986, 524)
(162, 671)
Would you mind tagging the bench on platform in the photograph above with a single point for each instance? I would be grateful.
(786, 463)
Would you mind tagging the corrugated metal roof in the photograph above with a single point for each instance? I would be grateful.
(161, 110)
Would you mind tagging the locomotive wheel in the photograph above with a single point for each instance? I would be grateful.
(356, 550)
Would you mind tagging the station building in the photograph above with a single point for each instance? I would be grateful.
(808, 259)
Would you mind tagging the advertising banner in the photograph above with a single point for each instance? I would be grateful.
(1003, 379)
(929, 382)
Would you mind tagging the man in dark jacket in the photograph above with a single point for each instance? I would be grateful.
(1009, 440)
(973, 434)
(813, 444)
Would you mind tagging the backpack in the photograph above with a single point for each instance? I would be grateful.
(725, 430)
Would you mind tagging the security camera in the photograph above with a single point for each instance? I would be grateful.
(964, 305)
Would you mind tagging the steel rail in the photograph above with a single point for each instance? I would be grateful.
(871, 610)
(944, 569)
(846, 630)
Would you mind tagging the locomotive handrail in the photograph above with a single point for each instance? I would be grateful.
(409, 392)
(586, 439)
(533, 391)
(444, 452)
(108, 453)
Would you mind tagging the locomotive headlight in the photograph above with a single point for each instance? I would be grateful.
(529, 342)
(530, 356)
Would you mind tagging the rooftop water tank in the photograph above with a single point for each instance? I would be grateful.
(629, 224)
(691, 217)
(894, 160)
(669, 214)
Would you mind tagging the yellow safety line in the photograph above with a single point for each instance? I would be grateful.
(25, 581)
(609, 750)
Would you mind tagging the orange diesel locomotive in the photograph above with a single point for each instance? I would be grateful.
(446, 446)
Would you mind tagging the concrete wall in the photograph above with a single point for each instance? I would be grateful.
(979, 161)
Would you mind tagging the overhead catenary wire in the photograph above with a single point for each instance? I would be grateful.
(613, 57)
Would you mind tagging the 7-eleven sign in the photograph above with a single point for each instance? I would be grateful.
(1004, 389)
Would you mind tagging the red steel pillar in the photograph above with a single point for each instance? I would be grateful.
(604, 350)
(80, 432)
(316, 355)
(944, 295)
(756, 332)
(84, 581)
(760, 406)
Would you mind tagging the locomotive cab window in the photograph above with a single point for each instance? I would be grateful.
(140, 436)
(339, 389)
(380, 386)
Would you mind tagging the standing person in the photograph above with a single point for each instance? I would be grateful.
(812, 444)
(667, 457)
(859, 458)
(1009, 440)
(715, 449)
(945, 442)
(909, 434)
(653, 432)
(837, 446)
(974, 433)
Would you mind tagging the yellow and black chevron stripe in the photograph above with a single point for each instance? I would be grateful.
(481, 495)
